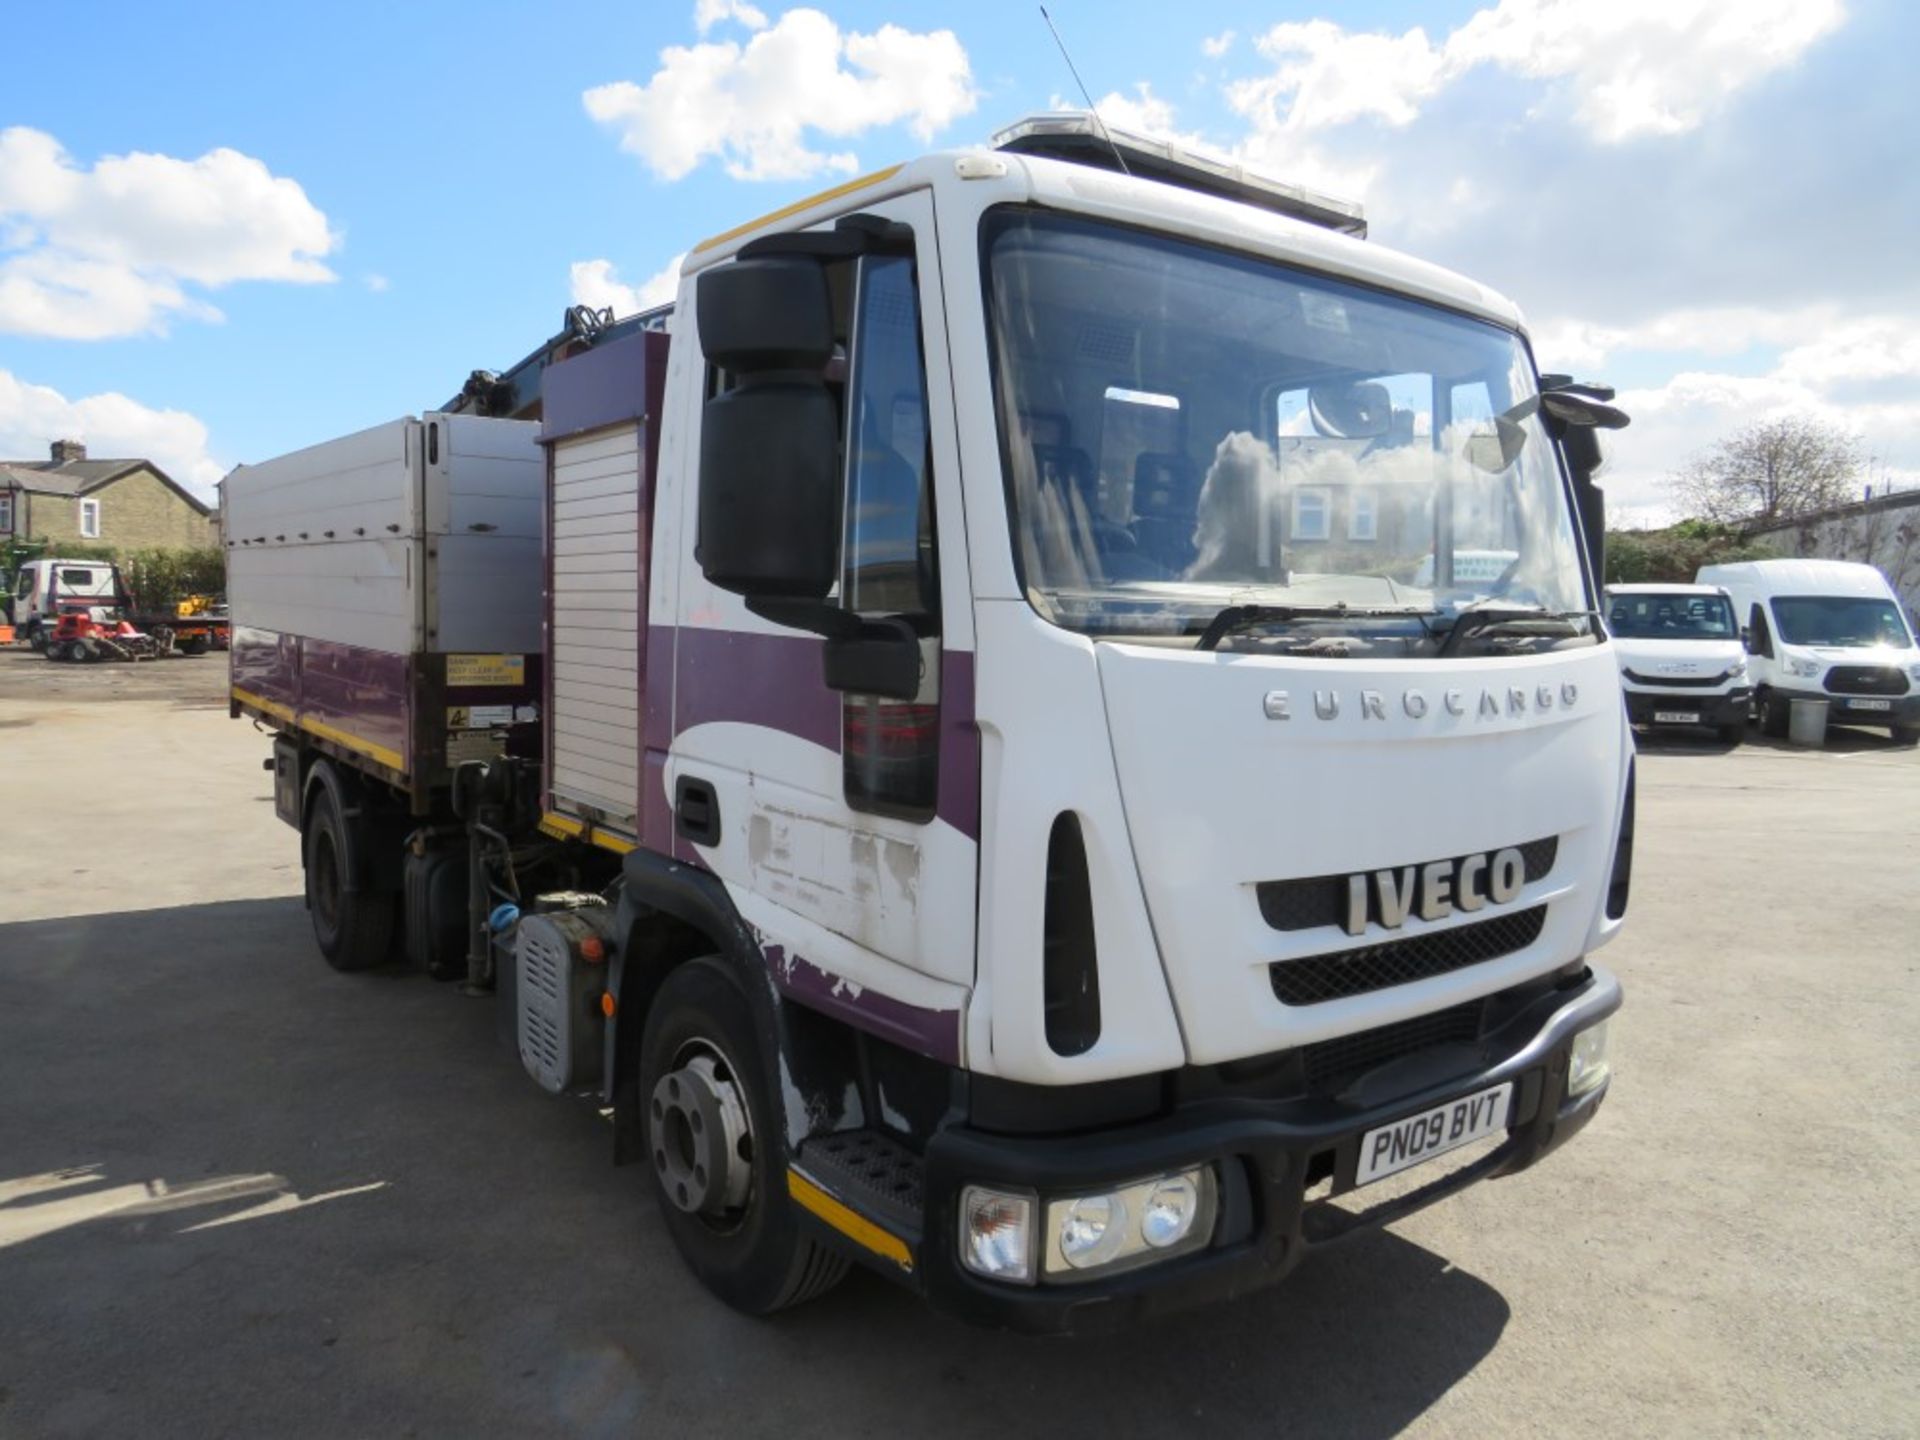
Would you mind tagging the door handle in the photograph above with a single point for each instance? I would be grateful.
(696, 811)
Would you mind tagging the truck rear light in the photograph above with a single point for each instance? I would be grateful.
(1070, 968)
(1617, 884)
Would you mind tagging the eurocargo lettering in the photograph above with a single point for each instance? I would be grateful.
(1039, 730)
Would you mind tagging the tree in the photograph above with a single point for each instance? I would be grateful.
(1773, 471)
(1672, 556)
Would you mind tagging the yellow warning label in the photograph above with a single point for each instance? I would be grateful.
(473, 670)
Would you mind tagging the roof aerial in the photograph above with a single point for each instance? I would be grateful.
(1080, 137)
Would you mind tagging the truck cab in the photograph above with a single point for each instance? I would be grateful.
(1828, 630)
(1682, 662)
(44, 588)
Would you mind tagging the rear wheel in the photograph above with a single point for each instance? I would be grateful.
(77, 652)
(194, 645)
(715, 1148)
(354, 928)
(37, 636)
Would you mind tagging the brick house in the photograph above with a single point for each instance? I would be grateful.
(128, 504)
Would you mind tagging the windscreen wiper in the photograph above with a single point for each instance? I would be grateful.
(1526, 620)
(1246, 617)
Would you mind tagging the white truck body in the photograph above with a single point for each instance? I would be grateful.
(1830, 630)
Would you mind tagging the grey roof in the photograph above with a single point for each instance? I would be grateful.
(77, 477)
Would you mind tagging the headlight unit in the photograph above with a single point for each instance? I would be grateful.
(1738, 669)
(1805, 669)
(996, 1234)
(1587, 1065)
(1089, 1236)
(1913, 672)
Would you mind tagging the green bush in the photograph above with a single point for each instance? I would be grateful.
(1673, 556)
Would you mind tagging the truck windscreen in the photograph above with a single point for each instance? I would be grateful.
(1184, 428)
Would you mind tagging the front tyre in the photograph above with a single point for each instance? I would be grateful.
(715, 1147)
(1906, 734)
(1773, 716)
(1733, 734)
(353, 928)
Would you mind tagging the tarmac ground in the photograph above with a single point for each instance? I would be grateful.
(241, 1194)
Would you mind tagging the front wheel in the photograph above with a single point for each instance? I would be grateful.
(1733, 734)
(715, 1147)
(37, 636)
(353, 928)
(1906, 734)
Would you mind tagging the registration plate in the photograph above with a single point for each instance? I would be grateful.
(1676, 717)
(1394, 1147)
(1869, 704)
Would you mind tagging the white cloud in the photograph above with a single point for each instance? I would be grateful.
(122, 248)
(598, 284)
(709, 13)
(1634, 67)
(378, 284)
(113, 426)
(752, 106)
(1215, 46)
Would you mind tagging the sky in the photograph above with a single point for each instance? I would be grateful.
(230, 230)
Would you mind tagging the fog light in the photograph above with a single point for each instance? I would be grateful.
(1587, 1066)
(1171, 1209)
(1128, 1226)
(996, 1234)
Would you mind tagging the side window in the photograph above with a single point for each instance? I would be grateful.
(6, 512)
(90, 519)
(890, 559)
(1762, 634)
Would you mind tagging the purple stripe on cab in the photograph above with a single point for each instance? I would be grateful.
(933, 1033)
(775, 681)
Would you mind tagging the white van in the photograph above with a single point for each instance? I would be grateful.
(1681, 660)
(1830, 630)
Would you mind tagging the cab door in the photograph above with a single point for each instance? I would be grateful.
(845, 823)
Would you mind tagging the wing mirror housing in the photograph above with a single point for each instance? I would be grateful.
(769, 512)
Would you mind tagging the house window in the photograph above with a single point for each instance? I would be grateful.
(1310, 506)
(6, 512)
(1360, 516)
(89, 519)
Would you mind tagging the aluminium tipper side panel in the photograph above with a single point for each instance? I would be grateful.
(483, 503)
(600, 410)
(325, 542)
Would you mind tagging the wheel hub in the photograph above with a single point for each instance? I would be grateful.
(700, 1137)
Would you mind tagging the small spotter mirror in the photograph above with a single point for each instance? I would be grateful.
(1352, 410)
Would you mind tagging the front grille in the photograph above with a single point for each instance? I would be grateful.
(1676, 682)
(1331, 1064)
(1866, 680)
(1322, 899)
(1319, 978)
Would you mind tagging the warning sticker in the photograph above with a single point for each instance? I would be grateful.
(471, 670)
(478, 717)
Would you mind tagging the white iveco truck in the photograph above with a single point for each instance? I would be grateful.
(1071, 733)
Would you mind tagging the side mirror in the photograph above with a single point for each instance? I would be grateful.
(769, 512)
(1351, 411)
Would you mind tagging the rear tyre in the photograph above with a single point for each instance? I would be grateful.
(77, 652)
(1773, 717)
(37, 636)
(715, 1147)
(194, 645)
(353, 928)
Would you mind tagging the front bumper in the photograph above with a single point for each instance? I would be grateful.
(1901, 709)
(1264, 1153)
(1727, 707)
